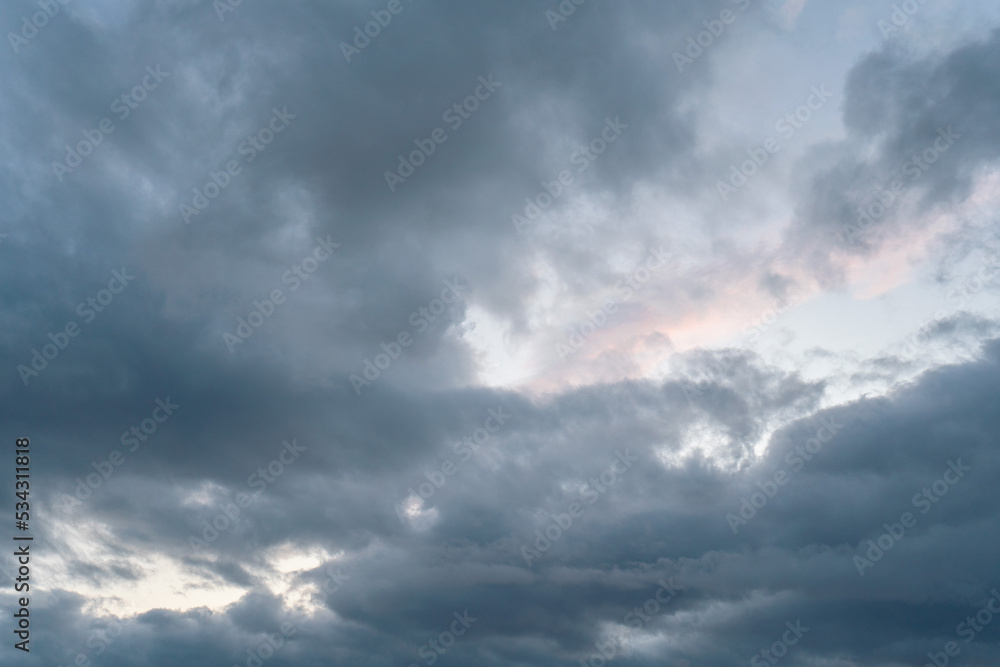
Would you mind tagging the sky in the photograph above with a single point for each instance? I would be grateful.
(534, 334)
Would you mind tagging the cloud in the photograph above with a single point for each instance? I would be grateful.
(479, 475)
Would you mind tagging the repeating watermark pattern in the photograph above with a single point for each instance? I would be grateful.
(133, 438)
(706, 38)
(434, 648)
(38, 20)
(958, 297)
(759, 156)
(560, 523)
(335, 579)
(294, 278)
(582, 158)
(421, 319)
(88, 310)
(259, 480)
(100, 640)
(599, 318)
(363, 38)
(720, 366)
(797, 459)
(455, 116)
(465, 449)
(565, 9)
(223, 7)
(901, 15)
(635, 620)
(887, 197)
(265, 650)
(123, 106)
(962, 294)
(754, 327)
(925, 501)
(779, 649)
(250, 148)
(968, 629)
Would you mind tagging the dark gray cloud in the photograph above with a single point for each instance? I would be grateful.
(921, 127)
(171, 469)
(792, 560)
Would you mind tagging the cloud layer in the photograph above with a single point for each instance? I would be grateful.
(438, 344)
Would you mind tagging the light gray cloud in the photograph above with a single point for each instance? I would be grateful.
(701, 440)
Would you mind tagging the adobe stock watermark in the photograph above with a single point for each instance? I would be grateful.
(454, 116)
(969, 629)
(433, 649)
(294, 277)
(983, 276)
(99, 640)
(925, 500)
(334, 582)
(769, 488)
(561, 523)
(465, 449)
(223, 7)
(565, 9)
(901, 15)
(755, 326)
(133, 438)
(123, 106)
(259, 480)
(779, 649)
(582, 158)
(787, 126)
(251, 147)
(88, 310)
(957, 297)
(421, 319)
(752, 330)
(363, 38)
(888, 196)
(265, 650)
(598, 319)
(713, 30)
(635, 620)
(38, 20)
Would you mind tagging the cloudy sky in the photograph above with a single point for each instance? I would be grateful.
(457, 332)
